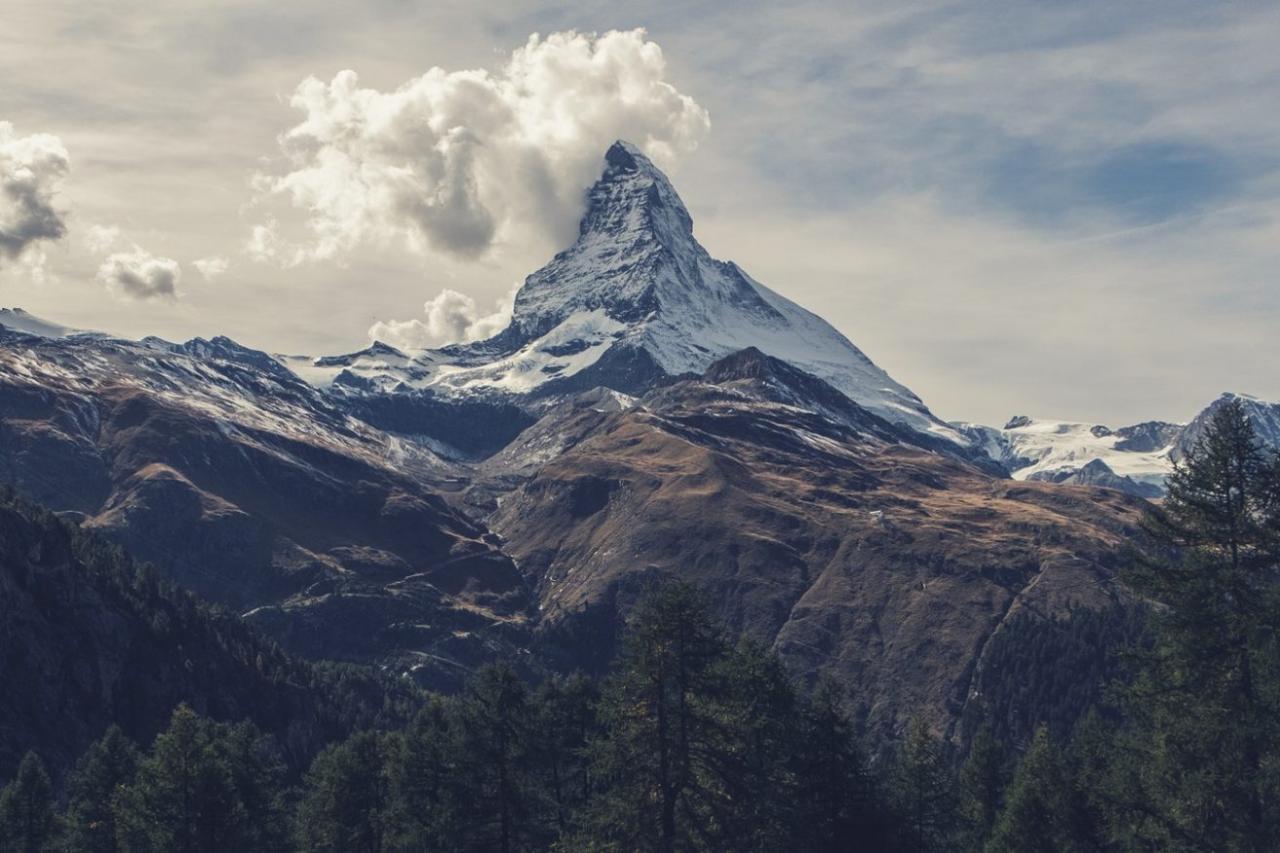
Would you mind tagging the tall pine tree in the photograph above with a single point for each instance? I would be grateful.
(652, 762)
(1208, 701)
(982, 781)
(1036, 804)
(27, 819)
(100, 776)
(346, 805)
(923, 791)
(494, 719)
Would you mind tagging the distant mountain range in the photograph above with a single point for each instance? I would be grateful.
(1134, 459)
(649, 412)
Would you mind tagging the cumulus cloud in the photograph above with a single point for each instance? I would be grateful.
(212, 267)
(140, 275)
(451, 317)
(32, 169)
(451, 161)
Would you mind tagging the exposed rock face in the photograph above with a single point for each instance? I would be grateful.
(1098, 473)
(1147, 436)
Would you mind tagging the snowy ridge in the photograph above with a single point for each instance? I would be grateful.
(1040, 449)
(1140, 457)
(635, 286)
(244, 391)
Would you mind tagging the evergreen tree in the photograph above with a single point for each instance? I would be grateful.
(564, 721)
(750, 753)
(1207, 705)
(27, 819)
(982, 781)
(494, 721)
(199, 791)
(1095, 785)
(923, 791)
(837, 808)
(256, 771)
(424, 782)
(108, 766)
(1032, 820)
(346, 803)
(652, 762)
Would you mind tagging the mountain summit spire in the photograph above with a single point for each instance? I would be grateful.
(634, 198)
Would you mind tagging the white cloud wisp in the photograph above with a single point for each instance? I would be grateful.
(451, 317)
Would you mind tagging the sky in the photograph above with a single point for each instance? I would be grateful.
(1067, 210)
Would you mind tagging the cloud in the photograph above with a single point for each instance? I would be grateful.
(451, 317)
(140, 275)
(32, 169)
(212, 267)
(456, 161)
(99, 238)
(264, 242)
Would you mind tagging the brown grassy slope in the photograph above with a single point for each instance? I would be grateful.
(783, 530)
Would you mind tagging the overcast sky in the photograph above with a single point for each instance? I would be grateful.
(1067, 210)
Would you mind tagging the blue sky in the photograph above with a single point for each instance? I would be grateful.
(1067, 210)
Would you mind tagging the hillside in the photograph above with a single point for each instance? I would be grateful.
(91, 638)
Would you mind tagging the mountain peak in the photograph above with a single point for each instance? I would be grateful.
(624, 155)
(633, 202)
(635, 298)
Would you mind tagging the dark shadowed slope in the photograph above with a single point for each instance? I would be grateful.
(89, 638)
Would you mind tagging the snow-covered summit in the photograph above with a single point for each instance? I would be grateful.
(1035, 449)
(634, 299)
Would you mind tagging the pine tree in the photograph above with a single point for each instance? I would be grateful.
(564, 721)
(346, 804)
(424, 769)
(923, 791)
(982, 781)
(1207, 703)
(106, 768)
(494, 722)
(837, 807)
(256, 771)
(1032, 818)
(1095, 783)
(27, 819)
(187, 796)
(657, 713)
(750, 752)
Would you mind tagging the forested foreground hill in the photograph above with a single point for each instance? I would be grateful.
(90, 638)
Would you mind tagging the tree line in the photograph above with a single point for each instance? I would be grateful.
(694, 742)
